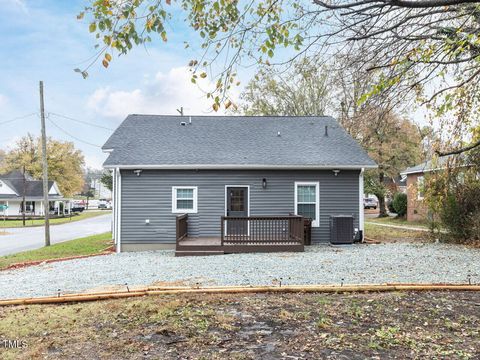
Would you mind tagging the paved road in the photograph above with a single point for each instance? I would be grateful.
(21, 239)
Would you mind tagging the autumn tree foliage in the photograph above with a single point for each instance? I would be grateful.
(390, 138)
(453, 195)
(65, 163)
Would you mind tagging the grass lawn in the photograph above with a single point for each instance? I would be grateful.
(410, 325)
(383, 233)
(398, 221)
(39, 222)
(83, 246)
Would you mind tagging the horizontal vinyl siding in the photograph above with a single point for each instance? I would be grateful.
(149, 196)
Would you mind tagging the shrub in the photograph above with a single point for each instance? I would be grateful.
(390, 206)
(400, 204)
(460, 213)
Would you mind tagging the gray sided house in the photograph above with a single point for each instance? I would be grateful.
(240, 180)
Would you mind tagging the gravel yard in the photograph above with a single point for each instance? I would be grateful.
(322, 264)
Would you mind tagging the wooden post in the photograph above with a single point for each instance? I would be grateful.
(222, 229)
(46, 206)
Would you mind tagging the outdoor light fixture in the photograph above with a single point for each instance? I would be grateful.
(137, 172)
(335, 172)
(264, 183)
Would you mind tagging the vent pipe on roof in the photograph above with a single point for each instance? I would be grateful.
(190, 120)
(326, 130)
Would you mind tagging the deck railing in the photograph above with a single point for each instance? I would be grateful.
(265, 230)
(182, 227)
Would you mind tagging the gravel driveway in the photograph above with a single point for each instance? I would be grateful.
(321, 264)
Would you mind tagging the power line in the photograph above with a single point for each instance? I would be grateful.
(72, 136)
(18, 118)
(80, 121)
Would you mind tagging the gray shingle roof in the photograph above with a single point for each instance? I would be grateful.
(233, 141)
(33, 188)
(429, 165)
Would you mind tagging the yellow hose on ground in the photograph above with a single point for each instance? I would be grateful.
(162, 290)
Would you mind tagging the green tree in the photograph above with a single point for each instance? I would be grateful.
(303, 90)
(394, 143)
(107, 180)
(65, 163)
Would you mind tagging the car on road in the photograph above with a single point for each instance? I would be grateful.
(104, 204)
(370, 203)
(78, 206)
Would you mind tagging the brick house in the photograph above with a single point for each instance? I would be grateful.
(416, 207)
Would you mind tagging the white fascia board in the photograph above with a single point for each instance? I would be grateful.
(119, 210)
(425, 170)
(246, 167)
(420, 171)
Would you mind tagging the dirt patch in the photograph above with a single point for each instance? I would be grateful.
(435, 325)
(20, 265)
(127, 287)
(170, 283)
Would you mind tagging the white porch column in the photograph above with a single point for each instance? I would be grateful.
(41, 208)
(114, 205)
(6, 211)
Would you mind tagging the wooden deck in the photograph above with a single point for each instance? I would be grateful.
(201, 241)
(201, 246)
(265, 234)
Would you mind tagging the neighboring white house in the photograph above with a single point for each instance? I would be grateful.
(13, 188)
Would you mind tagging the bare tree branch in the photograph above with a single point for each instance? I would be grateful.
(460, 150)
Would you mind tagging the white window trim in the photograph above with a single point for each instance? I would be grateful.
(419, 197)
(316, 222)
(174, 200)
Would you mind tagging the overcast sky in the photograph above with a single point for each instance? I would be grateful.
(43, 40)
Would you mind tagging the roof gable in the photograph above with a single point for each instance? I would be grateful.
(433, 165)
(6, 188)
(32, 188)
(233, 142)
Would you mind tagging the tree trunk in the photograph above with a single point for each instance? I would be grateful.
(381, 205)
(381, 197)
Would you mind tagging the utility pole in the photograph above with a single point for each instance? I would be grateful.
(24, 205)
(46, 205)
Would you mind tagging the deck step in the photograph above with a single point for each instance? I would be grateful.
(198, 252)
(199, 248)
